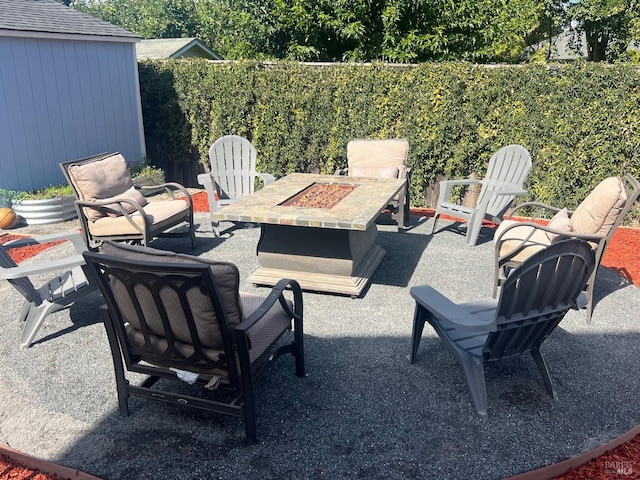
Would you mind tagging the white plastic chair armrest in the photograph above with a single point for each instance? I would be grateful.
(514, 191)
(206, 180)
(267, 178)
(74, 237)
(26, 270)
(446, 185)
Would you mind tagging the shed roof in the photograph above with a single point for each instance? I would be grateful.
(50, 18)
(174, 48)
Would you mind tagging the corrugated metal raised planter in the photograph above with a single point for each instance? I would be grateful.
(49, 210)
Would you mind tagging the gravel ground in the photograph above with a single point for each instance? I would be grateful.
(362, 411)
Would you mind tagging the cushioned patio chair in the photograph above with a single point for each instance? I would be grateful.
(176, 316)
(533, 301)
(68, 285)
(111, 207)
(507, 171)
(594, 220)
(232, 173)
(381, 158)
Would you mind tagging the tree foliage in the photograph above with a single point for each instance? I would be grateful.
(336, 30)
(402, 31)
(608, 25)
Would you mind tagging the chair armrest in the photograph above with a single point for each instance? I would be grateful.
(20, 271)
(446, 185)
(509, 192)
(341, 171)
(66, 263)
(170, 188)
(563, 233)
(74, 237)
(526, 241)
(267, 178)
(537, 205)
(462, 181)
(276, 294)
(206, 180)
(449, 312)
(101, 203)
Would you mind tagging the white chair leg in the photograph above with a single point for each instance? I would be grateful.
(34, 321)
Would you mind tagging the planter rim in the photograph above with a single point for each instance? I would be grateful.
(31, 201)
(44, 466)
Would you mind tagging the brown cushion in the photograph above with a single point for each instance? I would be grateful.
(560, 221)
(104, 179)
(372, 153)
(160, 344)
(515, 239)
(598, 212)
(266, 330)
(227, 280)
(114, 209)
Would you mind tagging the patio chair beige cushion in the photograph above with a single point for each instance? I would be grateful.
(514, 237)
(595, 215)
(373, 153)
(373, 172)
(598, 212)
(560, 221)
(156, 213)
(106, 179)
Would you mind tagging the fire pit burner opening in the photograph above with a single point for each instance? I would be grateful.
(319, 195)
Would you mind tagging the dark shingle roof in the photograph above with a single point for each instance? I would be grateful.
(48, 16)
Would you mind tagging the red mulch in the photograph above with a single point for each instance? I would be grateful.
(621, 462)
(12, 470)
(22, 253)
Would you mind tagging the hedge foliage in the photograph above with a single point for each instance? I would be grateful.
(581, 122)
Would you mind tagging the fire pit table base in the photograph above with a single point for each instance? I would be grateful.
(324, 260)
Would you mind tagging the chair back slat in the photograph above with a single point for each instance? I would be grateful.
(508, 167)
(537, 295)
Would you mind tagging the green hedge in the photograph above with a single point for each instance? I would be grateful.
(579, 121)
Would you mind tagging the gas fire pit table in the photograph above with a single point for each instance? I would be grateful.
(317, 229)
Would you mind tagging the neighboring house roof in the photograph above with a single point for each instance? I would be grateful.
(567, 46)
(40, 18)
(174, 48)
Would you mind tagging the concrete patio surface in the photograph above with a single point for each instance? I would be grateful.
(362, 411)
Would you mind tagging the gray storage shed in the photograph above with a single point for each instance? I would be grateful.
(68, 89)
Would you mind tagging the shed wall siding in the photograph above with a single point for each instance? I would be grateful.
(64, 99)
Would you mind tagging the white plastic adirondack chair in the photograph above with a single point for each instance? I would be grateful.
(508, 169)
(59, 292)
(233, 173)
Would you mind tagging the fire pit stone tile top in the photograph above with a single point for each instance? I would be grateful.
(355, 211)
